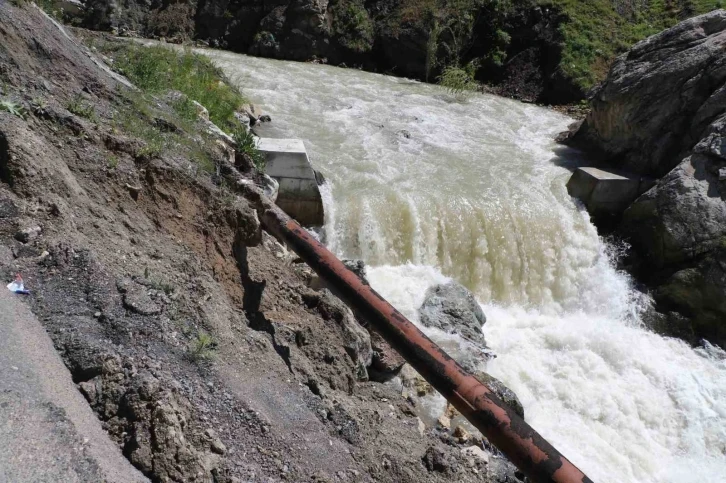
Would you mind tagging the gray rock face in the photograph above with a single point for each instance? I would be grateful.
(679, 229)
(452, 308)
(683, 217)
(661, 113)
(377, 35)
(356, 339)
(700, 292)
(659, 97)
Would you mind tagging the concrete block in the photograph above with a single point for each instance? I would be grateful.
(605, 192)
(299, 195)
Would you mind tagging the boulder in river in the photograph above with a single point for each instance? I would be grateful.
(503, 392)
(452, 308)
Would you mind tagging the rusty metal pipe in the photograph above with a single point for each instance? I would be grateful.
(524, 447)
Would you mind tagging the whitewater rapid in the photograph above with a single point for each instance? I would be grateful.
(426, 189)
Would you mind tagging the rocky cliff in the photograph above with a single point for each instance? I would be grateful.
(662, 112)
(550, 51)
(516, 46)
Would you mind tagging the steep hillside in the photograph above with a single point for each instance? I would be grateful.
(594, 32)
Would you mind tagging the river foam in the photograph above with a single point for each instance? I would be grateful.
(622, 403)
(427, 189)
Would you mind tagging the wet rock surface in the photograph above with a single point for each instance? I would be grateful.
(452, 308)
(507, 396)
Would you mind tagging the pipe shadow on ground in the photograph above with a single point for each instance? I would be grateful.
(252, 299)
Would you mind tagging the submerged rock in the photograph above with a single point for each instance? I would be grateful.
(358, 267)
(452, 308)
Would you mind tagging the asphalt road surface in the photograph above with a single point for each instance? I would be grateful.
(48, 433)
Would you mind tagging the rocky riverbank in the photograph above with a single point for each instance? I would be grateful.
(193, 336)
(660, 113)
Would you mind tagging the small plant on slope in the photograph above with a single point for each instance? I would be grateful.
(80, 107)
(13, 108)
(202, 347)
(246, 145)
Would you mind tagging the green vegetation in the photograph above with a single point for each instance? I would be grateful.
(51, 7)
(596, 31)
(39, 106)
(139, 117)
(186, 108)
(592, 32)
(246, 145)
(450, 25)
(459, 82)
(353, 25)
(175, 21)
(13, 108)
(202, 347)
(81, 107)
(135, 118)
(159, 69)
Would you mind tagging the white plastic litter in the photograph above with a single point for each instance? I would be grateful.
(17, 285)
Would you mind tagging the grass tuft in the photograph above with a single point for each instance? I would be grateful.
(459, 82)
(13, 108)
(155, 71)
(246, 145)
(202, 347)
(81, 107)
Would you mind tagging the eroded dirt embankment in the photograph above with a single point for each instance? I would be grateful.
(191, 334)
